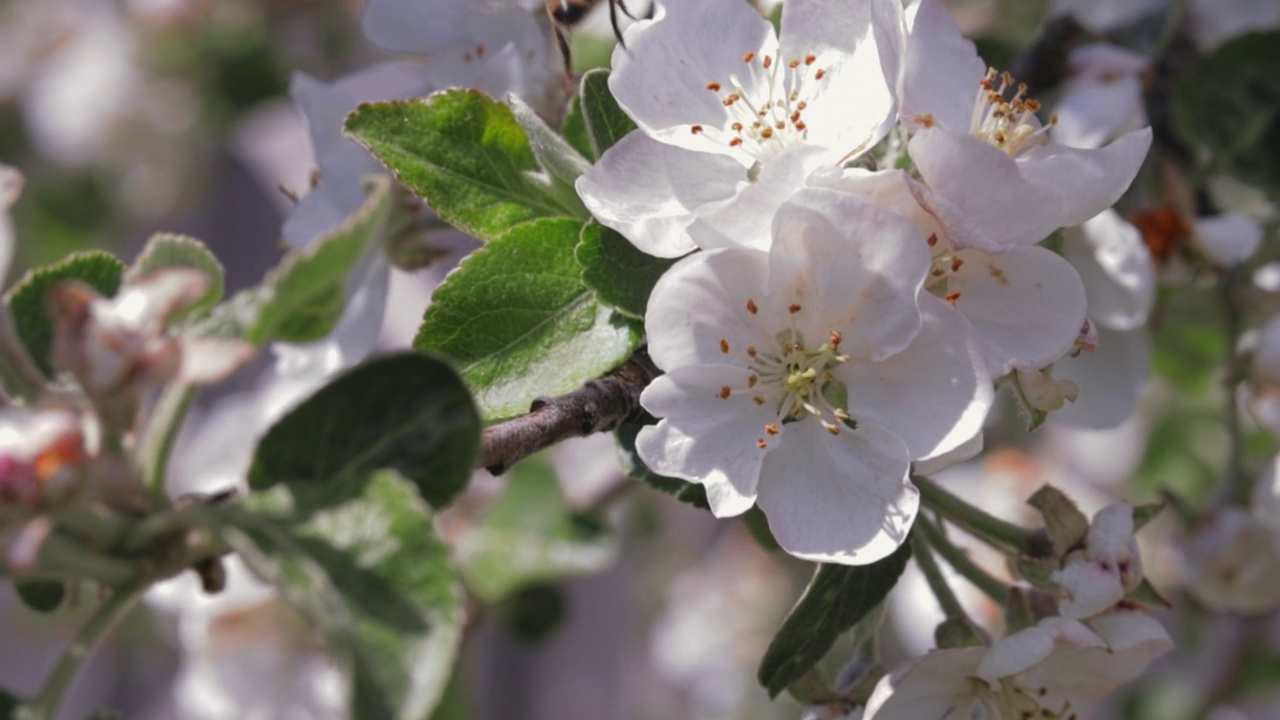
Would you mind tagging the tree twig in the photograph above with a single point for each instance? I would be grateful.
(599, 406)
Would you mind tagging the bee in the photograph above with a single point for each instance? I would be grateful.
(565, 14)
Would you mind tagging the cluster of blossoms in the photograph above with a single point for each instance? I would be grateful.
(869, 201)
(859, 207)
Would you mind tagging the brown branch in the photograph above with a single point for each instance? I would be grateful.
(599, 406)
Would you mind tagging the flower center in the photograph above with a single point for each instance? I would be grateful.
(1010, 701)
(945, 262)
(1011, 124)
(799, 379)
(768, 118)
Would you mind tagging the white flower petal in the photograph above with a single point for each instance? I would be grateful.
(859, 45)
(860, 265)
(941, 68)
(707, 439)
(925, 688)
(650, 191)
(702, 300)
(984, 190)
(415, 26)
(745, 220)
(1025, 649)
(838, 498)
(1116, 268)
(1228, 239)
(934, 395)
(1026, 305)
(1111, 380)
(660, 77)
(1088, 181)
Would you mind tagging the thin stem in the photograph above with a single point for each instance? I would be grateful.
(162, 433)
(60, 555)
(1005, 536)
(933, 575)
(961, 562)
(99, 624)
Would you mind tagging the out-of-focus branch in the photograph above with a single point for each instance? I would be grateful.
(599, 406)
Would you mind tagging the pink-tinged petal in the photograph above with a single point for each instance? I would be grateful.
(208, 360)
(1228, 239)
(1116, 268)
(1111, 380)
(703, 300)
(650, 191)
(928, 687)
(1087, 181)
(660, 78)
(1026, 305)
(987, 199)
(1090, 589)
(856, 266)
(841, 498)
(858, 46)
(941, 68)
(934, 395)
(709, 439)
(745, 219)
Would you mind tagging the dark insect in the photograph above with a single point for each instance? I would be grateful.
(565, 14)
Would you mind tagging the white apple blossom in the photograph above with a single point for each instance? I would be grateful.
(1050, 670)
(1233, 561)
(1209, 22)
(734, 125)
(1095, 578)
(806, 379)
(120, 350)
(997, 182)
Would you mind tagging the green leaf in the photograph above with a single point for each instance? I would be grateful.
(465, 154)
(574, 129)
(41, 595)
(519, 322)
(302, 299)
(99, 270)
(562, 163)
(373, 576)
(167, 250)
(606, 122)
(1147, 594)
(621, 275)
(686, 492)
(837, 598)
(408, 411)
(530, 536)
(1067, 526)
(1228, 105)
